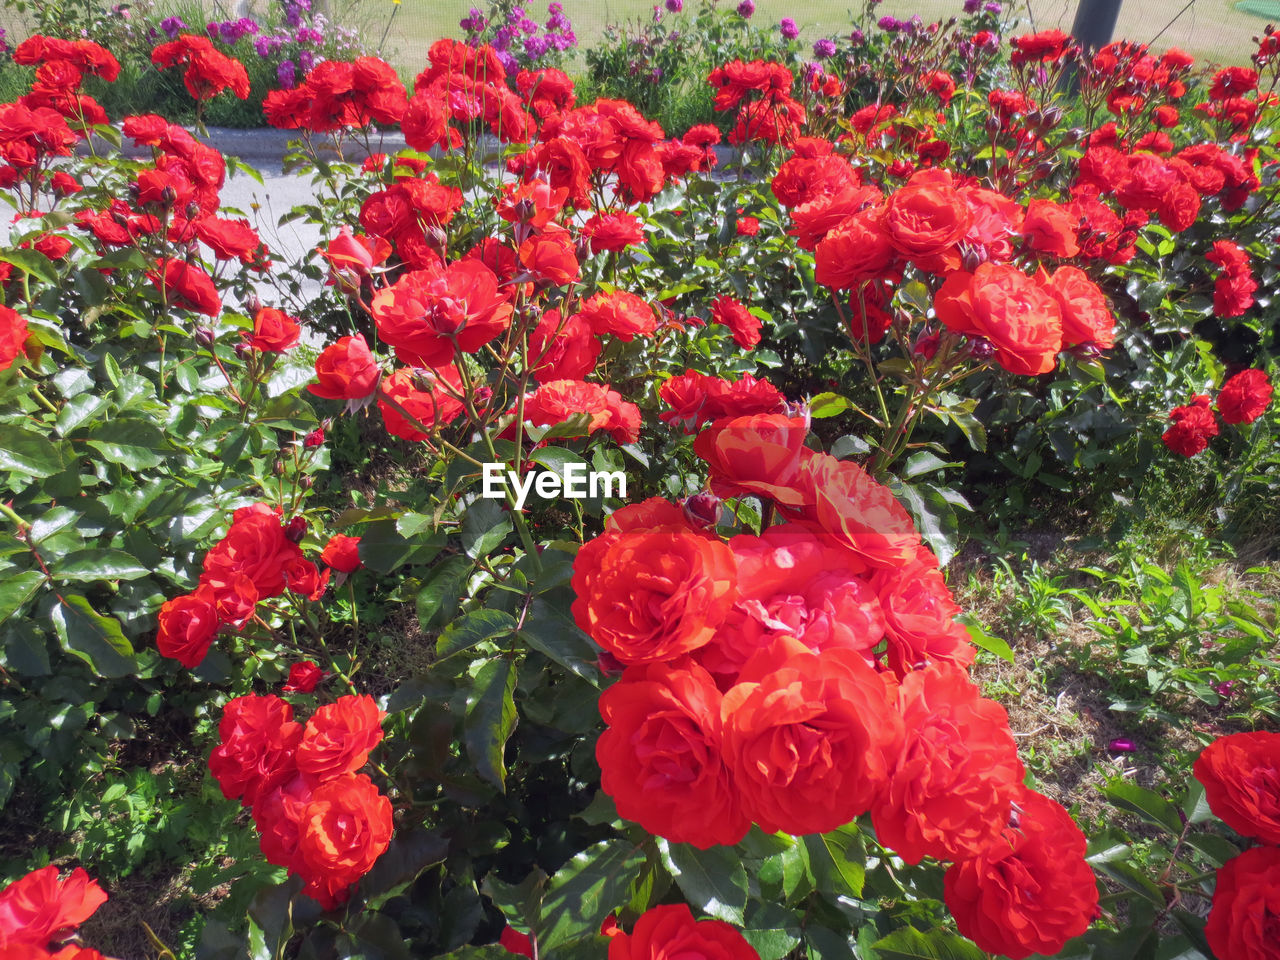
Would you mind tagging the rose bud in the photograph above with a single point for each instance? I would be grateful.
(315, 438)
(303, 677)
(296, 529)
(980, 348)
(703, 510)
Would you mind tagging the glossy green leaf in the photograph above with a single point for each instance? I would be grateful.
(593, 884)
(908, 943)
(713, 880)
(134, 444)
(1150, 806)
(471, 629)
(484, 528)
(551, 633)
(27, 452)
(490, 719)
(16, 590)
(95, 639)
(86, 566)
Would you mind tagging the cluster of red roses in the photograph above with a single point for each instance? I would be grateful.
(61, 66)
(258, 558)
(1233, 288)
(771, 117)
(962, 233)
(209, 71)
(1241, 777)
(316, 815)
(40, 909)
(803, 677)
(1242, 399)
(439, 309)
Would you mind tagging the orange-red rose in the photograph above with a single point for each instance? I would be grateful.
(1245, 914)
(1241, 777)
(1022, 320)
(669, 931)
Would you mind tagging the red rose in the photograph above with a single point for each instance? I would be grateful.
(342, 553)
(1241, 773)
(1246, 907)
(1245, 397)
(841, 499)
(187, 286)
(13, 336)
(255, 546)
(562, 349)
(792, 583)
(277, 813)
(259, 737)
(561, 400)
(1017, 314)
(809, 737)
(696, 399)
(660, 756)
(1046, 46)
(926, 218)
(1050, 228)
(303, 677)
(669, 931)
(622, 314)
(187, 626)
(551, 256)
(919, 615)
(1193, 425)
(513, 941)
(1029, 892)
(338, 738)
(228, 239)
(40, 907)
(613, 231)
(647, 597)
(1086, 315)
(429, 315)
(747, 226)
(734, 315)
(758, 455)
(346, 370)
(408, 410)
(274, 331)
(343, 829)
(952, 785)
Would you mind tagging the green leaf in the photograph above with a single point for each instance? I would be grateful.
(593, 884)
(471, 629)
(383, 548)
(1196, 806)
(95, 639)
(78, 410)
(933, 515)
(555, 458)
(972, 428)
(443, 589)
(924, 462)
(491, 717)
(828, 405)
(86, 566)
(24, 451)
(16, 590)
(555, 636)
(838, 860)
(33, 262)
(1149, 806)
(908, 943)
(134, 444)
(980, 638)
(484, 528)
(714, 880)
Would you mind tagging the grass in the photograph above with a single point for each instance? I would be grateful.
(1213, 30)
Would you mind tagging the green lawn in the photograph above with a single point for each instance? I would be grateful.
(1209, 29)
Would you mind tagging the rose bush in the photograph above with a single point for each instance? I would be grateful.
(239, 494)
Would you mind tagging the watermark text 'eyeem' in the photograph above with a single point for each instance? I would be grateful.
(574, 482)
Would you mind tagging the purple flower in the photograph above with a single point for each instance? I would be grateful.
(528, 27)
(824, 48)
(655, 74)
(971, 6)
(788, 29)
(559, 22)
(746, 8)
(212, 30)
(172, 26)
(857, 37)
(508, 61)
(535, 47)
(1122, 745)
(991, 8)
(306, 60)
(1224, 689)
(675, 6)
(287, 75)
(555, 9)
(890, 24)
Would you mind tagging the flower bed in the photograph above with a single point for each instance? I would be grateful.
(586, 590)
